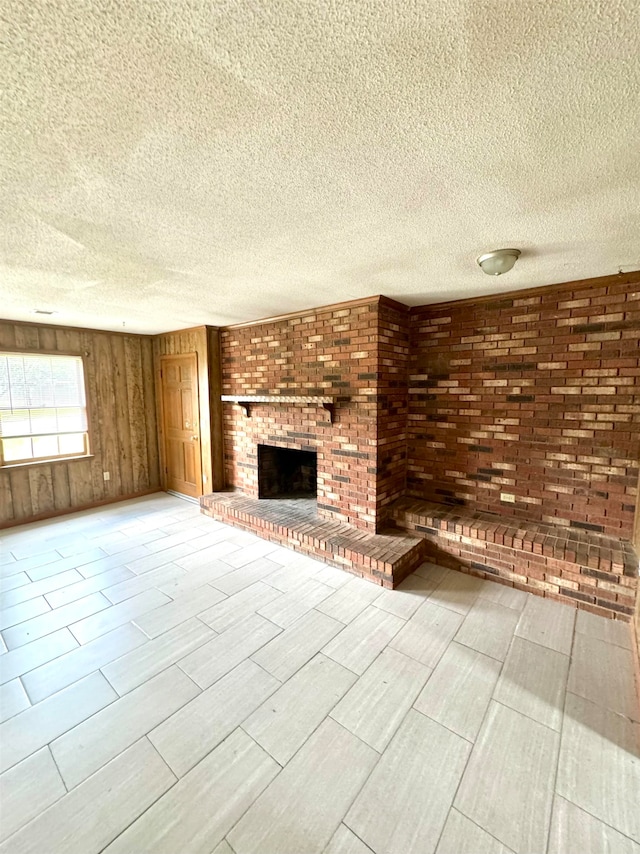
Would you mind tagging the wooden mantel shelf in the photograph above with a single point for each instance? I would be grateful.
(246, 401)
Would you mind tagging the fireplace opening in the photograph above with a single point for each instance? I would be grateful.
(285, 473)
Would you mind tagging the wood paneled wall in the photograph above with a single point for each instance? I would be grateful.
(122, 420)
(204, 341)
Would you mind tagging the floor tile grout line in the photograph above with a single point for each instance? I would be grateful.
(48, 592)
(600, 707)
(354, 833)
(483, 829)
(32, 617)
(595, 817)
(387, 644)
(53, 759)
(541, 645)
(265, 749)
(264, 670)
(259, 795)
(310, 735)
(134, 820)
(162, 670)
(260, 747)
(359, 677)
(610, 642)
(55, 658)
(525, 715)
(57, 610)
(517, 609)
(444, 726)
(471, 751)
(95, 670)
(34, 640)
(70, 729)
(120, 752)
(378, 757)
(455, 639)
(554, 793)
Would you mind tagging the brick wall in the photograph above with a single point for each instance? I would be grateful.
(337, 351)
(391, 397)
(529, 406)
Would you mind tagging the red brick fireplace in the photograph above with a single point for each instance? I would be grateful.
(512, 421)
(355, 355)
(332, 383)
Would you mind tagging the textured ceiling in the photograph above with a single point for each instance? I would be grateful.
(167, 164)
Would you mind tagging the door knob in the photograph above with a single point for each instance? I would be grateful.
(193, 438)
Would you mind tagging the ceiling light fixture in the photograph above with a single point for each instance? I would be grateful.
(499, 261)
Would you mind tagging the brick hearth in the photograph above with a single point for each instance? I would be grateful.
(384, 558)
(598, 573)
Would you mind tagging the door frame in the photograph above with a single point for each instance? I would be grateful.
(193, 356)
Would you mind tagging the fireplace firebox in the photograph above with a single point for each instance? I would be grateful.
(286, 473)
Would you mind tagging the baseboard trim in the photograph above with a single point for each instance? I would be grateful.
(184, 497)
(52, 514)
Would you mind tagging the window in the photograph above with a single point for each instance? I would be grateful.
(43, 411)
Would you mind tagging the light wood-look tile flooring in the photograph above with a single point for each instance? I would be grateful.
(172, 685)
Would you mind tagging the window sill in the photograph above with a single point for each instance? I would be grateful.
(51, 462)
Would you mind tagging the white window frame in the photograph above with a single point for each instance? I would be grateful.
(46, 354)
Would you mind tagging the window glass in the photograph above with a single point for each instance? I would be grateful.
(43, 411)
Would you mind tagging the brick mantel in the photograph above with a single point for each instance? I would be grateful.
(245, 402)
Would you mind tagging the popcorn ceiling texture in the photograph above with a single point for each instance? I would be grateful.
(174, 164)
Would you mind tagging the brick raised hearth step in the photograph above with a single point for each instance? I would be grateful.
(590, 570)
(385, 558)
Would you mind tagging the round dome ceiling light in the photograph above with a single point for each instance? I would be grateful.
(499, 261)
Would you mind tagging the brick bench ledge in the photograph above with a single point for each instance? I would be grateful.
(581, 567)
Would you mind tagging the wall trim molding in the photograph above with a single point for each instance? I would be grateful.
(377, 299)
(42, 517)
(632, 278)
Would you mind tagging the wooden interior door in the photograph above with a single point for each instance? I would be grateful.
(181, 424)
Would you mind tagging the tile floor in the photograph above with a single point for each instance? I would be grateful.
(171, 684)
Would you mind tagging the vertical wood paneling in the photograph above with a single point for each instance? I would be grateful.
(7, 334)
(135, 408)
(47, 338)
(61, 494)
(69, 340)
(6, 498)
(27, 337)
(93, 405)
(80, 484)
(123, 428)
(107, 414)
(150, 415)
(162, 463)
(122, 416)
(41, 488)
(21, 493)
